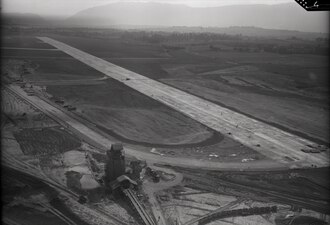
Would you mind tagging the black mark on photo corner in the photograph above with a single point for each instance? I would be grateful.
(315, 5)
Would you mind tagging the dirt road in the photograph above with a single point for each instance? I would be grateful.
(272, 142)
(87, 133)
(151, 188)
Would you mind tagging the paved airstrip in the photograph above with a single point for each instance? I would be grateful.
(281, 146)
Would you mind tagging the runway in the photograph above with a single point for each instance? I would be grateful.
(270, 141)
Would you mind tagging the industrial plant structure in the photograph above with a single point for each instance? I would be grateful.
(115, 166)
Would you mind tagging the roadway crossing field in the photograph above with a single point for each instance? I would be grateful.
(88, 134)
(270, 141)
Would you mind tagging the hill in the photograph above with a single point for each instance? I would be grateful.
(22, 19)
(288, 16)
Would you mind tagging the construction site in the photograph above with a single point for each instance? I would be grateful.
(172, 136)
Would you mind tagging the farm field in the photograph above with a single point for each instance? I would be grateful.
(47, 70)
(286, 91)
(23, 41)
(45, 141)
(28, 53)
(276, 144)
(235, 138)
(61, 69)
(263, 107)
(114, 47)
(127, 115)
(132, 115)
(228, 79)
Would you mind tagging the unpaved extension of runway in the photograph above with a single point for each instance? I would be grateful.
(266, 139)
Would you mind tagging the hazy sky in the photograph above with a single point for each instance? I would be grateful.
(70, 7)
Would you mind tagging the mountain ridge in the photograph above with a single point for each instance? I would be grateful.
(287, 16)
